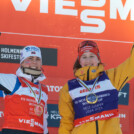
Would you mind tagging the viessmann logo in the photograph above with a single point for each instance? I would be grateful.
(31, 122)
(11, 54)
(93, 13)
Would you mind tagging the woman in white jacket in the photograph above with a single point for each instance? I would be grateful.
(25, 98)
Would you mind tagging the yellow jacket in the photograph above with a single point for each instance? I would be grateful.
(118, 76)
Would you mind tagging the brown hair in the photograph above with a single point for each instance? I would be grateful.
(76, 65)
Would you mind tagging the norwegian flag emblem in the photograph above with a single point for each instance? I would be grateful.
(33, 52)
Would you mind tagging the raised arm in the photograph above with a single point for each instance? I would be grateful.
(120, 75)
(7, 82)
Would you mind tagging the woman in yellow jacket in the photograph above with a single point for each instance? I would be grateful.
(88, 104)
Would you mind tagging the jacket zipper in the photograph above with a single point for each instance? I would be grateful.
(97, 128)
(96, 122)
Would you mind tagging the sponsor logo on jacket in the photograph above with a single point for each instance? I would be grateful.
(86, 90)
(31, 122)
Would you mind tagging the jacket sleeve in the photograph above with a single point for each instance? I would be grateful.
(7, 82)
(66, 111)
(45, 120)
(45, 116)
(120, 75)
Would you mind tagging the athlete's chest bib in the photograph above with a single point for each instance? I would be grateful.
(106, 106)
(21, 109)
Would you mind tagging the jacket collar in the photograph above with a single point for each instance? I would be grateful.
(89, 73)
(19, 73)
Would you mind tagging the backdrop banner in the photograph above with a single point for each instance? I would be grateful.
(57, 27)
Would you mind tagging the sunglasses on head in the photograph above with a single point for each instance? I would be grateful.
(87, 43)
